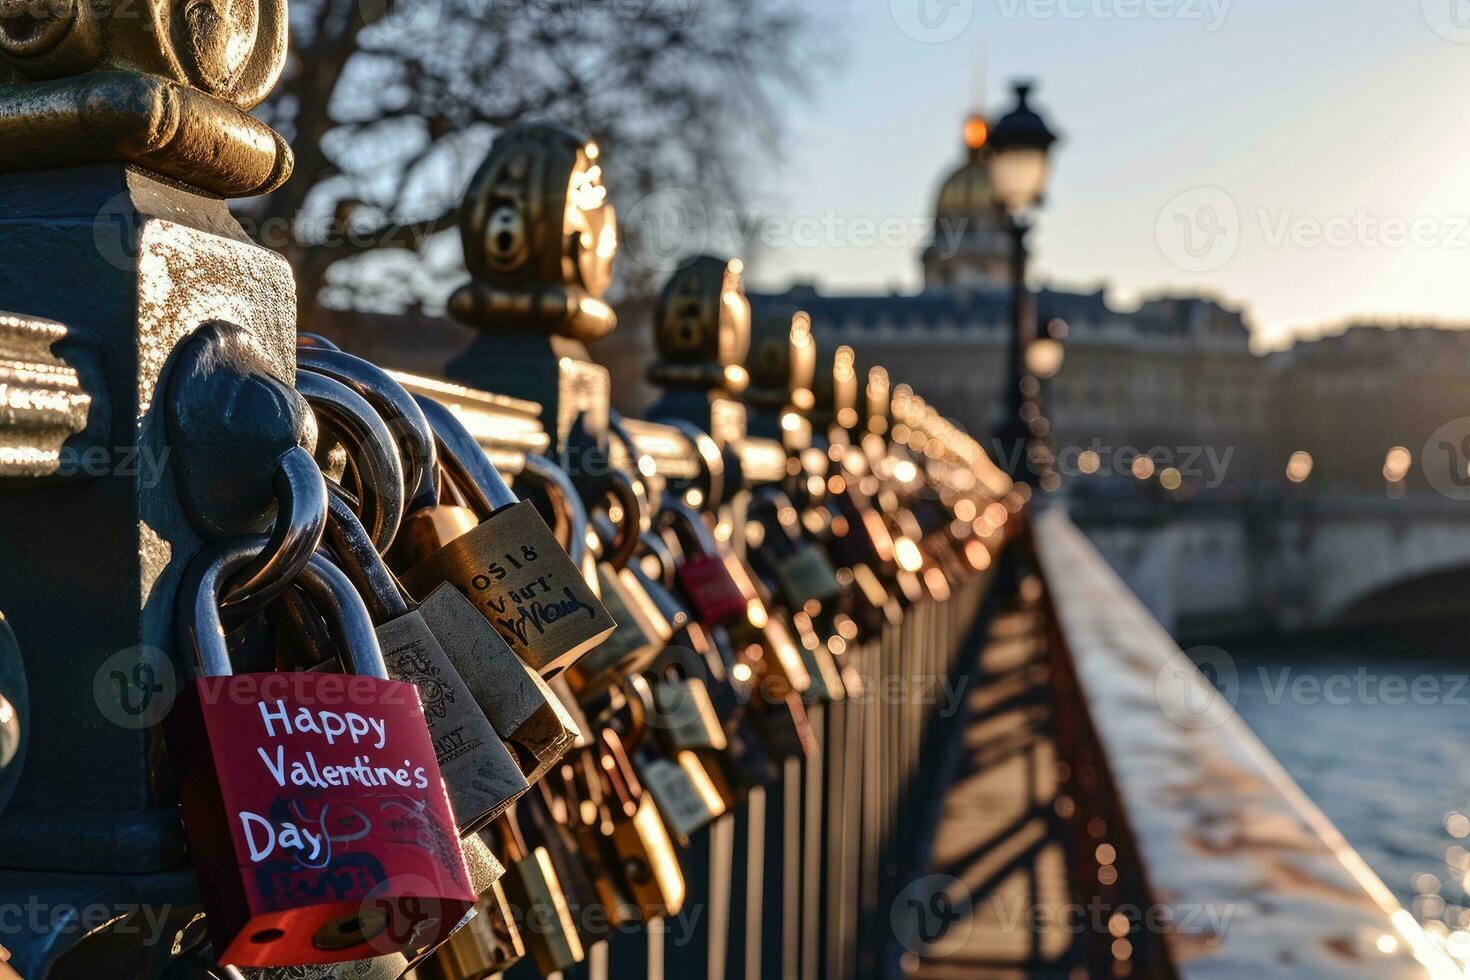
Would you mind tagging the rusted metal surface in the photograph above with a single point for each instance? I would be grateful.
(1258, 881)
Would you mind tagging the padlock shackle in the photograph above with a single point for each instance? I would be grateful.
(638, 695)
(653, 544)
(568, 504)
(301, 517)
(333, 595)
(199, 624)
(464, 459)
(688, 526)
(360, 562)
(397, 408)
(371, 445)
(645, 487)
(621, 537)
(621, 778)
(314, 341)
(341, 605)
(712, 460)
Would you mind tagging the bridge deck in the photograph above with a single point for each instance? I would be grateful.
(999, 832)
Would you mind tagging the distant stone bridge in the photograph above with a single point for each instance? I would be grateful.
(1293, 564)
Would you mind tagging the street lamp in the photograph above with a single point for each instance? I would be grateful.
(1018, 167)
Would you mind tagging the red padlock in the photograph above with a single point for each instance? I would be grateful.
(704, 573)
(316, 816)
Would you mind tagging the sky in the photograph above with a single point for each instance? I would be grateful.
(1302, 159)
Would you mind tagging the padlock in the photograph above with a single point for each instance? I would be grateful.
(546, 821)
(743, 762)
(580, 784)
(370, 457)
(398, 410)
(537, 903)
(649, 863)
(687, 798)
(807, 574)
(525, 712)
(642, 632)
(704, 577)
(482, 775)
(684, 712)
(316, 814)
(801, 572)
(484, 867)
(487, 946)
(511, 566)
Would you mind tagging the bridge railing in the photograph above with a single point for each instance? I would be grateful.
(846, 515)
(1232, 869)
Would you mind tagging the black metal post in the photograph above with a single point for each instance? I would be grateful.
(1013, 433)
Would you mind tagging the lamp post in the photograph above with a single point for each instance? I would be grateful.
(1018, 165)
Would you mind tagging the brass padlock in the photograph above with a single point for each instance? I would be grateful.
(642, 632)
(687, 797)
(518, 702)
(482, 776)
(537, 902)
(488, 945)
(650, 865)
(510, 566)
(580, 784)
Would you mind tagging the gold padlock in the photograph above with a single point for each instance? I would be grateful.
(537, 903)
(650, 864)
(488, 945)
(510, 566)
(688, 799)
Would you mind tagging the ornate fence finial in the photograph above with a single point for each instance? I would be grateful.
(845, 387)
(164, 85)
(702, 328)
(539, 236)
(878, 403)
(782, 361)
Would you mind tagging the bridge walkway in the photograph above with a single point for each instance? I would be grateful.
(1001, 833)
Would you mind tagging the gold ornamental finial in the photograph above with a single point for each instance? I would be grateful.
(540, 236)
(166, 87)
(703, 327)
(781, 362)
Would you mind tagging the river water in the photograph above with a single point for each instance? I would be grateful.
(1375, 727)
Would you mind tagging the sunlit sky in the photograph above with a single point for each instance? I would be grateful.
(1334, 130)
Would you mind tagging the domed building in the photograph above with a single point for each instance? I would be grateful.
(1175, 372)
(969, 247)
